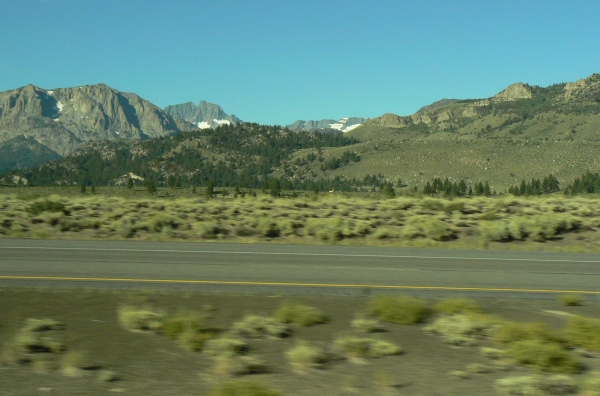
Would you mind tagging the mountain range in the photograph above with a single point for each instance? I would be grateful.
(523, 131)
(342, 125)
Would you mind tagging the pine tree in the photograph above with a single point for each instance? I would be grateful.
(151, 187)
(83, 188)
(486, 189)
(210, 189)
(129, 182)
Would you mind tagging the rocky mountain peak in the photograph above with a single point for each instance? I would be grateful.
(64, 118)
(204, 115)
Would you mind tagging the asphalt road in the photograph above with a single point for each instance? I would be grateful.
(294, 268)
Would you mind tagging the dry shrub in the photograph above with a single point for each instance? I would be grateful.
(477, 368)
(461, 329)
(208, 230)
(494, 231)
(402, 309)
(243, 388)
(429, 227)
(253, 326)
(72, 363)
(356, 347)
(304, 356)
(591, 385)
(226, 346)
(511, 332)
(571, 300)
(235, 365)
(300, 314)
(584, 332)
(366, 325)
(456, 305)
(493, 353)
(536, 385)
(139, 319)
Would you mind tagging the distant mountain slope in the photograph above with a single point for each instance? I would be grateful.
(205, 115)
(64, 118)
(343, 125)
(22, 153)
(522, 132)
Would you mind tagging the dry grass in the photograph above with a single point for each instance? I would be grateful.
(536, 385)
(463, 329)
(366, 325)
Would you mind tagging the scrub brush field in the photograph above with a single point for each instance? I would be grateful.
(505, 222)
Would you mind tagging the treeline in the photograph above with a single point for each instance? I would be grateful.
(549, 185)
(456, 189)
(589, 183)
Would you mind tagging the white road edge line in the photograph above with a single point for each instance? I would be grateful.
(303, 254)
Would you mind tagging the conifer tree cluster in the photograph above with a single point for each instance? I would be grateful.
(548, 185)
(456, 189)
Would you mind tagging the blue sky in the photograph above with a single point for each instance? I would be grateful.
(276, 61)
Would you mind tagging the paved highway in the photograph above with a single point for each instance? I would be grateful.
(293, 268)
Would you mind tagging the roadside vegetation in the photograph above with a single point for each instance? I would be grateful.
(567, 223)
(234, 346)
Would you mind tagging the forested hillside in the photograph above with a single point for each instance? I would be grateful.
(246, 155)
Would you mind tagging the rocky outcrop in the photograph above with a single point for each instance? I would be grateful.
(64, 118)
(514, 92)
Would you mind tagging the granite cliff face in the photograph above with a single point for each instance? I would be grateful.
(64, 118)
(205, 115)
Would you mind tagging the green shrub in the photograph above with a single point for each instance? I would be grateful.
(584, 332)
(456, 305)
(243, 388)
(134, 318)
(253, 326)
(511, 332)
(385, 233)
(300, 314)
(304, 356)
(571, 300)
(544, 356)
(402, 310)
(493, 353)
(355, 347)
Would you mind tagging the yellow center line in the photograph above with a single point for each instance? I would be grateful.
(294, 284)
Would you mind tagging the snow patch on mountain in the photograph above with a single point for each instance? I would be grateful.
(343, 124)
